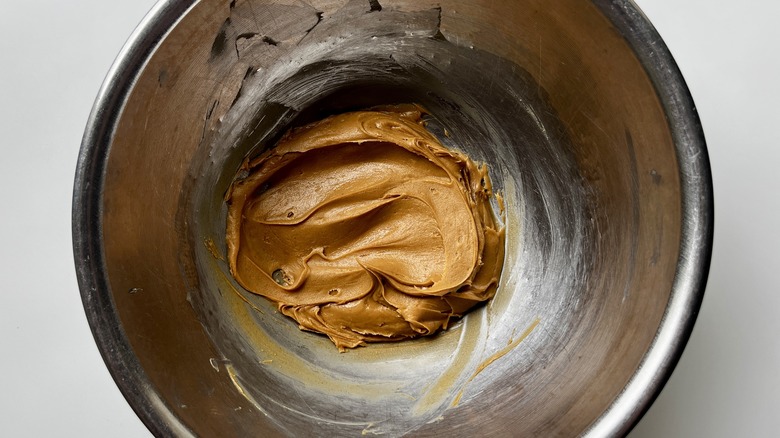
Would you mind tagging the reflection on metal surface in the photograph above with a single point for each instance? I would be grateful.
(591, 138)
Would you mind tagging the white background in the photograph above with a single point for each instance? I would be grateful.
(54, 55)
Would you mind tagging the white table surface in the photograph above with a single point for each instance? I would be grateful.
(54, 55)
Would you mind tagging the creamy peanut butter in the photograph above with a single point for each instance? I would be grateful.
(364, 227)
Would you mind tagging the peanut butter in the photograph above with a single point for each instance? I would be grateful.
(365, 228)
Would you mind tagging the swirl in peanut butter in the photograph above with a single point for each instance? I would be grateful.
(365, 228)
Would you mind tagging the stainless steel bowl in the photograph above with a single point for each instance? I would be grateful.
(590, 134)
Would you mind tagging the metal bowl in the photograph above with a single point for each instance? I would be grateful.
(589, 132)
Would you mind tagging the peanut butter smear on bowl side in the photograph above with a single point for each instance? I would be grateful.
(365, 228)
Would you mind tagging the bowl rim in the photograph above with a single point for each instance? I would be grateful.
(656, 366)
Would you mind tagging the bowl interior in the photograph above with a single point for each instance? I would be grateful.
(554, 100)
